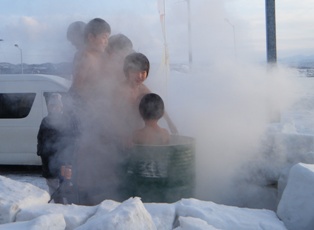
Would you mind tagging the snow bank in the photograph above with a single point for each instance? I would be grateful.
(191, 223)
(190, 214)
(307, 158)
(74, 215)
(228, 217)
(296, 207)
(131, 215)
(51, 221)
(163, 214)
(15, 196)
(104, 208)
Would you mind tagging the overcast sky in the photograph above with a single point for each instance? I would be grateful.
(39, 27)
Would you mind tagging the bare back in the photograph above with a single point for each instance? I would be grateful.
(151, 136)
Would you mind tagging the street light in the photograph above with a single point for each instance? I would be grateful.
(17, 46)
(234, 38)
(1, 40)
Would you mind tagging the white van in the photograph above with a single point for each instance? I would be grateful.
(22, 108)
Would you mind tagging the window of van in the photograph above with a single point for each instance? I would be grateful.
(15, 105)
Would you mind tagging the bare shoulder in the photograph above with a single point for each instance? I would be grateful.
(144, 89)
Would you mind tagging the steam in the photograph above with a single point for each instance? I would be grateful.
(228, 109)
(227, 104)
(223, 101)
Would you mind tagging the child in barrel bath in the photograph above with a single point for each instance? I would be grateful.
(151, 109)
(128, 95)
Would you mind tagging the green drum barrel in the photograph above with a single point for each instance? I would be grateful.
(162, 173)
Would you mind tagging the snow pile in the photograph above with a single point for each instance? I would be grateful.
(131, 214)
(24, 206)
(296, 207)
(74, 215)
(163, 214)
(104, 208)
(228, 217)
(51, 221)
(15, 196)
(190, 214)
(191, 223)
(307, 158)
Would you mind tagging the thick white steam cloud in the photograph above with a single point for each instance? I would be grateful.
(226, 103)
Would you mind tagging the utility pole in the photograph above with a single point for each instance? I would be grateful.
(271, 31)
(274, 111)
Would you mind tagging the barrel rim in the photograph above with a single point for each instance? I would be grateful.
(190, 142)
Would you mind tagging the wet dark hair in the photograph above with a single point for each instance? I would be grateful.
(76, 29)
(119, 42)
(96, 26)
(136, 61)
(151, 107)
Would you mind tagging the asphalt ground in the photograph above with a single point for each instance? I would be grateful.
(19, 169)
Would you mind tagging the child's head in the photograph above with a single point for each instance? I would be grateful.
(119, 46)
(135, 62)
(55, 104)
(151, 107)
(75, 34)
(97, 32)
(119, 42)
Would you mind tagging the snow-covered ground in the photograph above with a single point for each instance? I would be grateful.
(24, 206)
(243, 160)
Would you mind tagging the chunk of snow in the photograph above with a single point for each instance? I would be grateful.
(191, 223)
(296, 207)
(228, 217)
(15, 195)
(74, 215)
(51, 222)
(131, 215)
(163, 214)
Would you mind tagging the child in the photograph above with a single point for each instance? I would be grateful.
(119, 46)
(129, 93)
(151, 109)
(90, 66)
